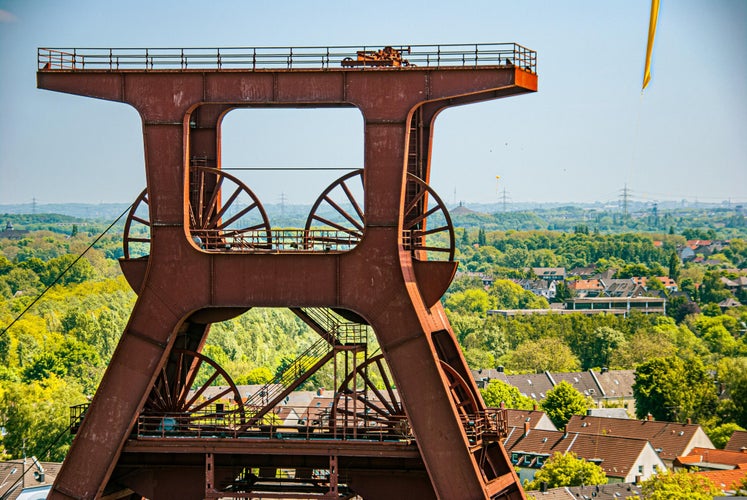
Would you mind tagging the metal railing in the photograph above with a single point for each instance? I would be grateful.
(274, 58)
(490, 425)
(278, 240)
(308, 423)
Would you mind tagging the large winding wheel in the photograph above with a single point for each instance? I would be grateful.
(337, 219)
(194, 390)
(367, 401)
(224, 214)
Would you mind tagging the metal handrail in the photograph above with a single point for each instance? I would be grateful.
(274, 58)
(312, 423)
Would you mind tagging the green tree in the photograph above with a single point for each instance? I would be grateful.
(498, 392)
(260, 375)
(510, 295)
(721, 434)
(471, 301)
(732, 373)
(680, 485)
(713, 290)
(563, 401)
(548, 354)
(600, 345)
(674, 389)
(36, 415)
(567, 470)
(674, 266)
(562, 292)
(641, 347)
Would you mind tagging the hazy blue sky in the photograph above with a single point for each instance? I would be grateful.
(587, 132)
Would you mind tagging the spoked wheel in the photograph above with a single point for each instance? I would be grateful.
(437, 242)
(367, 401)
(337, 208)
(224, 213)
(195, 391)
(136, 239)
(337, 219)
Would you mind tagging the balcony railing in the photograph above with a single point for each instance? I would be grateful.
(287, 58)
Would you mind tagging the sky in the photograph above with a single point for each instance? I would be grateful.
(586, 135)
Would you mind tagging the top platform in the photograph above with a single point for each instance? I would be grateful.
(350, 58)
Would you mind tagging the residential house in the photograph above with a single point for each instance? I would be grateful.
(583, 382)
(540, 287)
(669, 284)
(531, 385)
(483, 376)
(623, 459)
(616, 388)
(622, 288)
(582, 272)
(536, 419)
(26, 475)
(710, 459)
(685, 253)
(549, 273)
(604, 387)
(487, 280)
(669, 439)
(586, 287)
(728, 303)
(737, 441)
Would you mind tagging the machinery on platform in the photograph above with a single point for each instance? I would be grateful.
(376, 255)
(387, 56)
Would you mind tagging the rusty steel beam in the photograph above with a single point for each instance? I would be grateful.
(181, 112)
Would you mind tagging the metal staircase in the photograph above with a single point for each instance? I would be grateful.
(335, 333)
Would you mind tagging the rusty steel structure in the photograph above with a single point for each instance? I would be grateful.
(374, 258)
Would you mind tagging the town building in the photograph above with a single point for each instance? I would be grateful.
(623, 459)
(669, 439)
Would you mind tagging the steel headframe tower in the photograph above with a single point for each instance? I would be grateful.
(142, 435)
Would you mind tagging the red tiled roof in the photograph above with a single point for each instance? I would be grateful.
(723, 457)
(670, 437)
(618, 454)
(727, 480)
(591, 284)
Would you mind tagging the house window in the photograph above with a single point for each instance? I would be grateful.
(640, 469)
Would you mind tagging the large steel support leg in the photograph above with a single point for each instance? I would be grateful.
(115, 407)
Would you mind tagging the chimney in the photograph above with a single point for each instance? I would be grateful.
(689, 420)
(320, 391)
(605, 369)
(649, 417)
(534, 407)
(526, 429)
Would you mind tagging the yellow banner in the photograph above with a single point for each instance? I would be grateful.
(650, 47)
